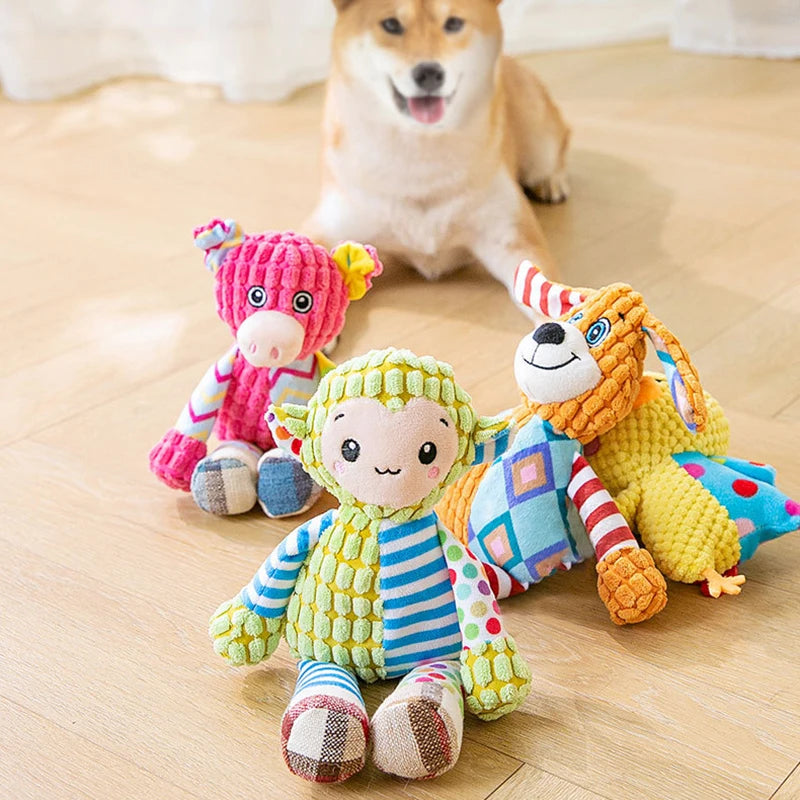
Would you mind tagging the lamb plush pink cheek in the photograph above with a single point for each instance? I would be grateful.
(339, 467)
(433, 473)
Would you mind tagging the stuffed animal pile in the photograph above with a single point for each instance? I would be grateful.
(379, 588)
(592, 423)
(284, 299)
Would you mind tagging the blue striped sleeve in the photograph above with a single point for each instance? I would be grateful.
(270, 589)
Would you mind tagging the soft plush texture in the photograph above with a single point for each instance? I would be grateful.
(578, 375)
(284, 298)
(376, 590)
(698, 511)
(652, 456)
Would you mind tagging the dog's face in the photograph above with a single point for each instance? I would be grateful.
(423, 62)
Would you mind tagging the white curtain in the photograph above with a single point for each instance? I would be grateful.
(252, 49)
(264, 49)
(768, 28)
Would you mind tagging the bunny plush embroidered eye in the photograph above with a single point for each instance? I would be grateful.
(378, 588)
(284, 298)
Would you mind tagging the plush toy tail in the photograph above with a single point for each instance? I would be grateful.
(747, 491)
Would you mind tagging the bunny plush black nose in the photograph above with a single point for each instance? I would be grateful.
(549, 333)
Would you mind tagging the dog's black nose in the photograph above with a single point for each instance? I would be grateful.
(429, 76)
(549, 333)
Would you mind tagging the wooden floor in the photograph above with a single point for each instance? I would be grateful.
(686, 176)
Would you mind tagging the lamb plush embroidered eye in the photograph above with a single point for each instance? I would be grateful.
(256, 296)
(302, 302)
(351, 450)
(597, 332)
(575, 318)
(427, 453)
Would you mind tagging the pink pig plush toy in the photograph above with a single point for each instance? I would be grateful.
(284, 298)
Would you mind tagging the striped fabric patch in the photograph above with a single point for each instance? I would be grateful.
(420, 622)
(269, 591)
(606, 527)
(533, 290)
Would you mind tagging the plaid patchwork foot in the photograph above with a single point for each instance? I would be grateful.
(324, 738)
(224, 486)
(417, 730)
(284, 487)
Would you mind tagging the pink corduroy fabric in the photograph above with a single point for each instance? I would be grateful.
(284, 264)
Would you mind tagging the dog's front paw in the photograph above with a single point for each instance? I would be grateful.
(554, 189)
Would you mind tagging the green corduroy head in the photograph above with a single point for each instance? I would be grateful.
(394, 378)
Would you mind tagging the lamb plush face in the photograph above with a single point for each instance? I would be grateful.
(388, 431)
(389, 458)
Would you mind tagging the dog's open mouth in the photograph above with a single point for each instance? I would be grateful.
(427, 109)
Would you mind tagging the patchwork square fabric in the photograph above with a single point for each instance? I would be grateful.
(520, 519)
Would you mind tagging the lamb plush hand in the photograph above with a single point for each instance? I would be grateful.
(378, 588)
(284, 299)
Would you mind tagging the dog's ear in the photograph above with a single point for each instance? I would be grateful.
(341, 5)
(684, 383)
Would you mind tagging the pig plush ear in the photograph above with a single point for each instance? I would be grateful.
(358, 265)
(217, 238)
(492, 437)
(289, 426)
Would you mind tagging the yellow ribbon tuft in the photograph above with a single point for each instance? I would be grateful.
(356, 265)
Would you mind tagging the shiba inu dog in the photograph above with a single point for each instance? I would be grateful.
(431, 138)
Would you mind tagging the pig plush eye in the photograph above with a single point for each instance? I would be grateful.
(256, 296)
(302, 302)
(427, 453)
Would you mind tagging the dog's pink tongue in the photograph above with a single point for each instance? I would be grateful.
(426, 109)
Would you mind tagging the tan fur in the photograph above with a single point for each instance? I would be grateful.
(437, 196)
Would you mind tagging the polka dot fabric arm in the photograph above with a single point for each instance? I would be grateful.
(496, 677)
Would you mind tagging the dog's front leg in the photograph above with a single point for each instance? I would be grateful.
(505, 232)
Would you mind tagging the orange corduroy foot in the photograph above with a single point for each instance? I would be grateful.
(631, 586)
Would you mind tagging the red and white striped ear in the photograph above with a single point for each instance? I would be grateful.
(533, 290)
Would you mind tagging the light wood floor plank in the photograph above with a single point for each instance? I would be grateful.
(685, 172)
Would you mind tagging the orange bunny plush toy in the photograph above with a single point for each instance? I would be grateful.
(580, 374)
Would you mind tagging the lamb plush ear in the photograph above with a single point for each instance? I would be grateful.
(217, 238)
(289, 426)
(492, 437)
(684, 382)
(358, 265)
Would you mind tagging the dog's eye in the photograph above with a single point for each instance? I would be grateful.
(256, 296)
(427, 453)
(351, 450)
(453, 24)
(572, 320)
(392, 25)
(597, 332)
(302, 302)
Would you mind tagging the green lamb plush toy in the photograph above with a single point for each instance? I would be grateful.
(378, 588)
